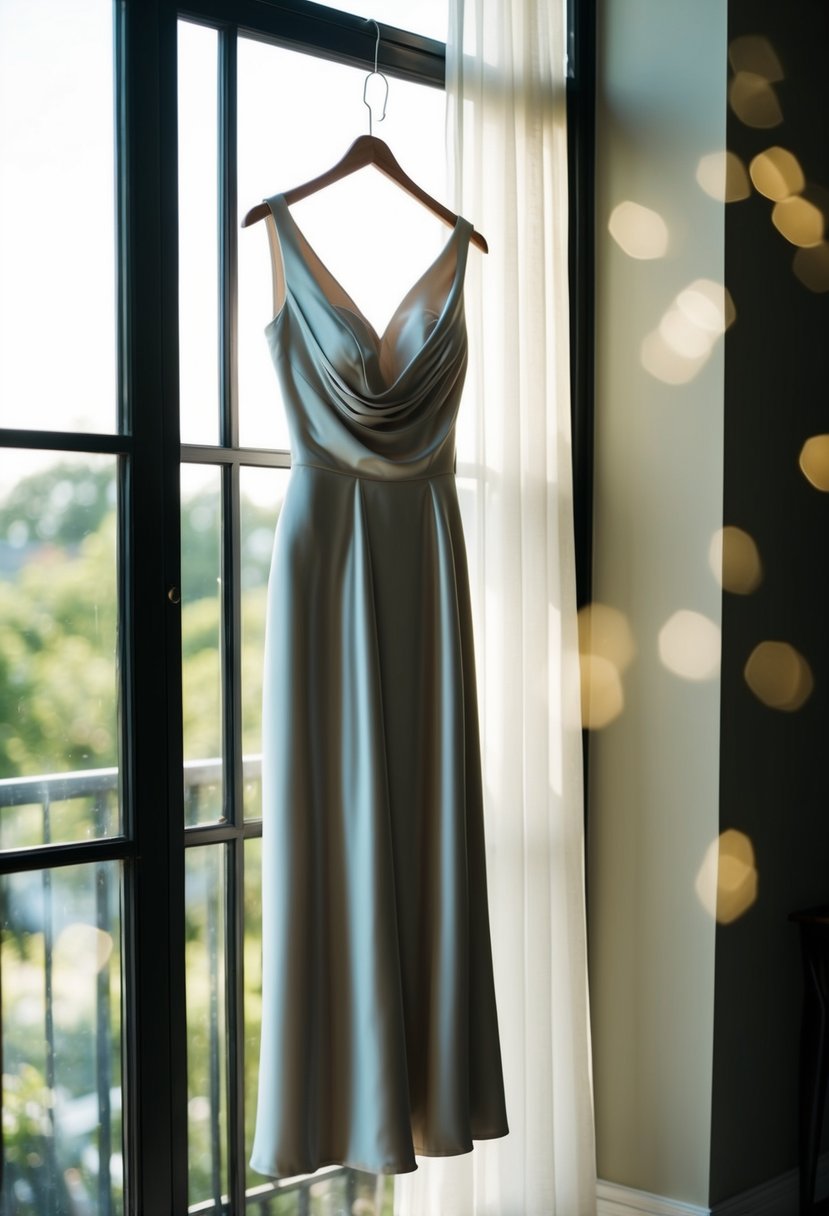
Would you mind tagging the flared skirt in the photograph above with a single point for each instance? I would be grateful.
(379, 1026)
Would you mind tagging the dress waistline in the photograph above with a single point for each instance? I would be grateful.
(305, 464)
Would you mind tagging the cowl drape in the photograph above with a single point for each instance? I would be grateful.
(506, 127)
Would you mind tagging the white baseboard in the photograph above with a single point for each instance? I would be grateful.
(616, 1200)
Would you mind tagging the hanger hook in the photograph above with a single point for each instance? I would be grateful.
(375, 72)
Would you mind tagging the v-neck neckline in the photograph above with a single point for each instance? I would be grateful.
(352, 305)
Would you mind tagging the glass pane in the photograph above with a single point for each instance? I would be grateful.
(57, 216)
(206, 1025)
(262, 494)
(61, 965)
(58, 648)
(201, 624)
(198, 233)
(355, 226)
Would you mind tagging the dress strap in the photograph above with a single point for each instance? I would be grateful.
(277, 258)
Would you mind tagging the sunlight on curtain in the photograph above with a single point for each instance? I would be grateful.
(507, 141)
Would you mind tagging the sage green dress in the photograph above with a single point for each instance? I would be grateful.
(379, 1026)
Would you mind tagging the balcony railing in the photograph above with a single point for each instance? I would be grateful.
(330, 1191)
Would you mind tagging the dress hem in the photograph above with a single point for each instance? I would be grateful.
(346, 1164)
(390, 1168)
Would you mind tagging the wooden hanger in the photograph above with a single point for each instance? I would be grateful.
(366, 150)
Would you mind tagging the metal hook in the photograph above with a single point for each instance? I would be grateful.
(375, 72)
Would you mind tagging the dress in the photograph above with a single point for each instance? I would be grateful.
(379, 1026)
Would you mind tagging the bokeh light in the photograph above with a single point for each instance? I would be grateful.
(735, 560)
(606, 648)
(779, 676)
(811, 266)
(798, 220)
(776, 173)
(814, 462)
(727, 881)
(723, 176)
(708, 305)
(639, 231)
(665, 363)
(754, 53)
(683, 335)
(606, 631)
(689, 645)
(754, 101)
(602, 695)
(679, 347)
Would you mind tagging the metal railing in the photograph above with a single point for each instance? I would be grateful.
(44, 1190)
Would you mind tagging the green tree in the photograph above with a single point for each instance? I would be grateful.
(58, 626)
(59, 505)
(57, 659)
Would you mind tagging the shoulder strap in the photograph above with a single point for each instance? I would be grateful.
(277, 260)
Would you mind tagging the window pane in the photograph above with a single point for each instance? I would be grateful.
(262, 493)
(57, 216)
(58, 648)
(371, 235)
(201, 623)
(198, 233)
(206, 1025)
(61, 948)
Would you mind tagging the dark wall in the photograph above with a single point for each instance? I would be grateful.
(774, 763)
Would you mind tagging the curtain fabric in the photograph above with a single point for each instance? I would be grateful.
(508, 160)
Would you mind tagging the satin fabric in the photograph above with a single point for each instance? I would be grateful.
(379, 1026)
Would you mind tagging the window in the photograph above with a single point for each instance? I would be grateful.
(64, 840)
(143, 458)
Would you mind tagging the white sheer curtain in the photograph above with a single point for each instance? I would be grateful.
(508, 154)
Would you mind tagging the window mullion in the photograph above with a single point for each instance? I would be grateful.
(228, 241)
(234, 811)
(231, 612)
(156, 1107)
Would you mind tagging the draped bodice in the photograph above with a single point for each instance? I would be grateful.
(358, 402)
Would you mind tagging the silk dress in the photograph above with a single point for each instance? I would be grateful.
(379, 1035)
